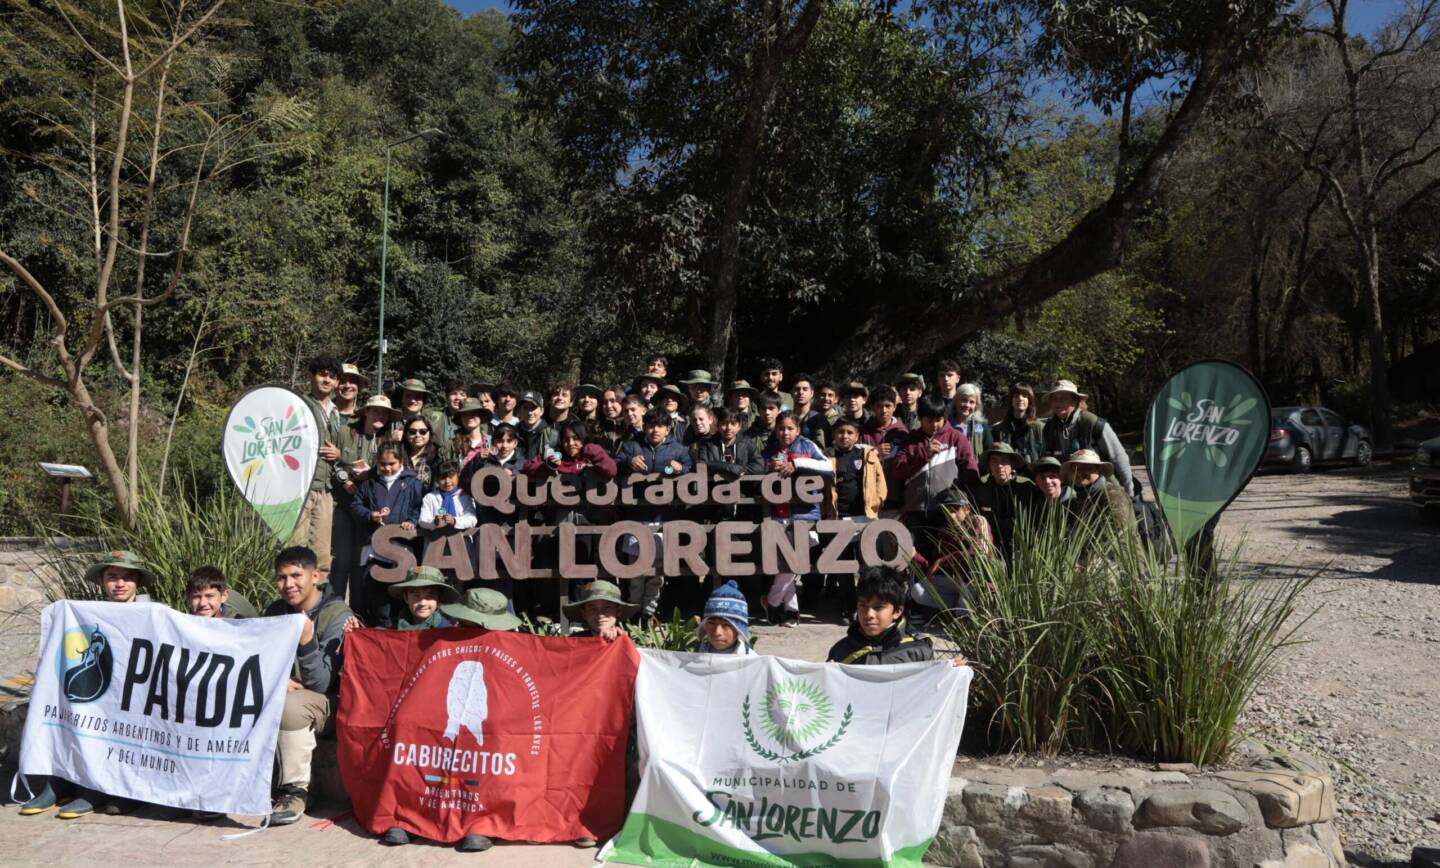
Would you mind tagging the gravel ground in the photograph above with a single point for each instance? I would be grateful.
(1360, 693)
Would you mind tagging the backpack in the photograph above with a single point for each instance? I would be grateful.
(1150, 522)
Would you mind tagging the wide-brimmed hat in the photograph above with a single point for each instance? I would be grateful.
(603, 591)
(855, 387)
(911, 377)
(483, 607)
(699, 378)
(743, 386)
(589, 389)
(425, 577)
(643, 378)
(471, 405)
(1086, 458)
(1066, 386)
(676, 392)
(1006, 451)
(412, 385)
(1049, 462)
(349, 370)
(377, 402)
(530, 397)
(125, 560)
(728, 602)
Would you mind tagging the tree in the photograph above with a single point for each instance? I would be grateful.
(1365, 120)
(135, 137)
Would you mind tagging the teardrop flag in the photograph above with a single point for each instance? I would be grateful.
(1205, 436)
(271, 446)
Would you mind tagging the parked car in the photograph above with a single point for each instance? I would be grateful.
(1301, 437)
(1425, 476)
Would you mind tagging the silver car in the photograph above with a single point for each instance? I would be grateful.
(1425, 476)
(1301, 437)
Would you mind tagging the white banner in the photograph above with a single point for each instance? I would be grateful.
(271, 444)
(140, 701)
(760, 760)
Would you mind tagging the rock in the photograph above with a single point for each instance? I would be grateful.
(1150, 778)
(1214, 812)
(954, 813)
(1159, 847)
(1047, 804)
(986, 803)
(1306, 856)
(1106, 809)
(1329, 841)
(1184, 768)
(956, 846)
(1048, 856)
(7, 574)
(1287, 799)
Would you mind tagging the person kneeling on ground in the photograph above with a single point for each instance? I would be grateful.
(601, 608)
(725, 625)
(208, 595)
(880, 634)
(121, 579)
(315, 679)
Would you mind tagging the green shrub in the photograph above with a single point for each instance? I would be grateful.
(1086, 641)
(175, 534)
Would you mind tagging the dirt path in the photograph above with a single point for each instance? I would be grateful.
(1361, 693)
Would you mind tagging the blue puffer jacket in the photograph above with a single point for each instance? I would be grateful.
(656, 458)
(403, 497)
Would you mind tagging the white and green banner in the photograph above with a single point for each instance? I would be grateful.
(760, 760)
(271, 445)
(1205, 435)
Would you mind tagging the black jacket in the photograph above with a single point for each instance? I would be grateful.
(1027, 437)
(747, 457)
(1002, 505)
(899, 644)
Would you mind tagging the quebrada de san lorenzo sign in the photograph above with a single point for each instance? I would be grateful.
(635, 549)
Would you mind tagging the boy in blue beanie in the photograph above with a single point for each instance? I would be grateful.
(725, 625)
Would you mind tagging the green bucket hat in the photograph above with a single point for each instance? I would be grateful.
(589, 389)
(472, 405)
(699, 378)
(412, 385)
(911, 377)
(1005, 450)
(124, 560)
(483, 607)
(1049, 462)
(743, 386)
(425, 577)
(608, 592)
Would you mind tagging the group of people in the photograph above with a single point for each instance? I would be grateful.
(879, 635)
(925, 452)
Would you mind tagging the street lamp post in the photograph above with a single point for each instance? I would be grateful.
(385, 244)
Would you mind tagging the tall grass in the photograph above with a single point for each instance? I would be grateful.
(174, 534)
(1084, 640)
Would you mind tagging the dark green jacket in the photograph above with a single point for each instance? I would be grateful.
(899, 644)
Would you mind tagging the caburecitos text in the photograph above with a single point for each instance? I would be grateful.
(633, 549)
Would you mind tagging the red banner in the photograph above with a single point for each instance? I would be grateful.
(447, 733)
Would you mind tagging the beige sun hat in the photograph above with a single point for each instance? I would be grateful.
(1066, 386)
(1085, 458)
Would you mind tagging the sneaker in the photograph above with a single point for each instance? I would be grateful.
(75, 808)
(395, 836)
(584, 843)
(474, 844)
(289, 806)
(40, 802)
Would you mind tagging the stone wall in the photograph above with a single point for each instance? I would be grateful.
(1272, 812)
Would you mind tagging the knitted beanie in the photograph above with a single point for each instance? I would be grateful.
(728, 602)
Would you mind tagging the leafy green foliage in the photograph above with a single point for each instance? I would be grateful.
(175, 535)
(1085, 641)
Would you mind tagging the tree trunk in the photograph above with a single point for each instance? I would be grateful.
(1379, 357)
(739, 179)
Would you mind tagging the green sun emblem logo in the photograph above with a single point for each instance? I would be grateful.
(795, 714)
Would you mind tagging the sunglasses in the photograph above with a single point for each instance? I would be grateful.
(414, 431)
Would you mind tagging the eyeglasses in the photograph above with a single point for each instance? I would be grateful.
(414, 431)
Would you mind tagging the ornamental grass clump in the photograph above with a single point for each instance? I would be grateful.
(1085, 641)
(174, 535)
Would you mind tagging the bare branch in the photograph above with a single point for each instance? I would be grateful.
(182, 38)
(7, 362)
(60, 7)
